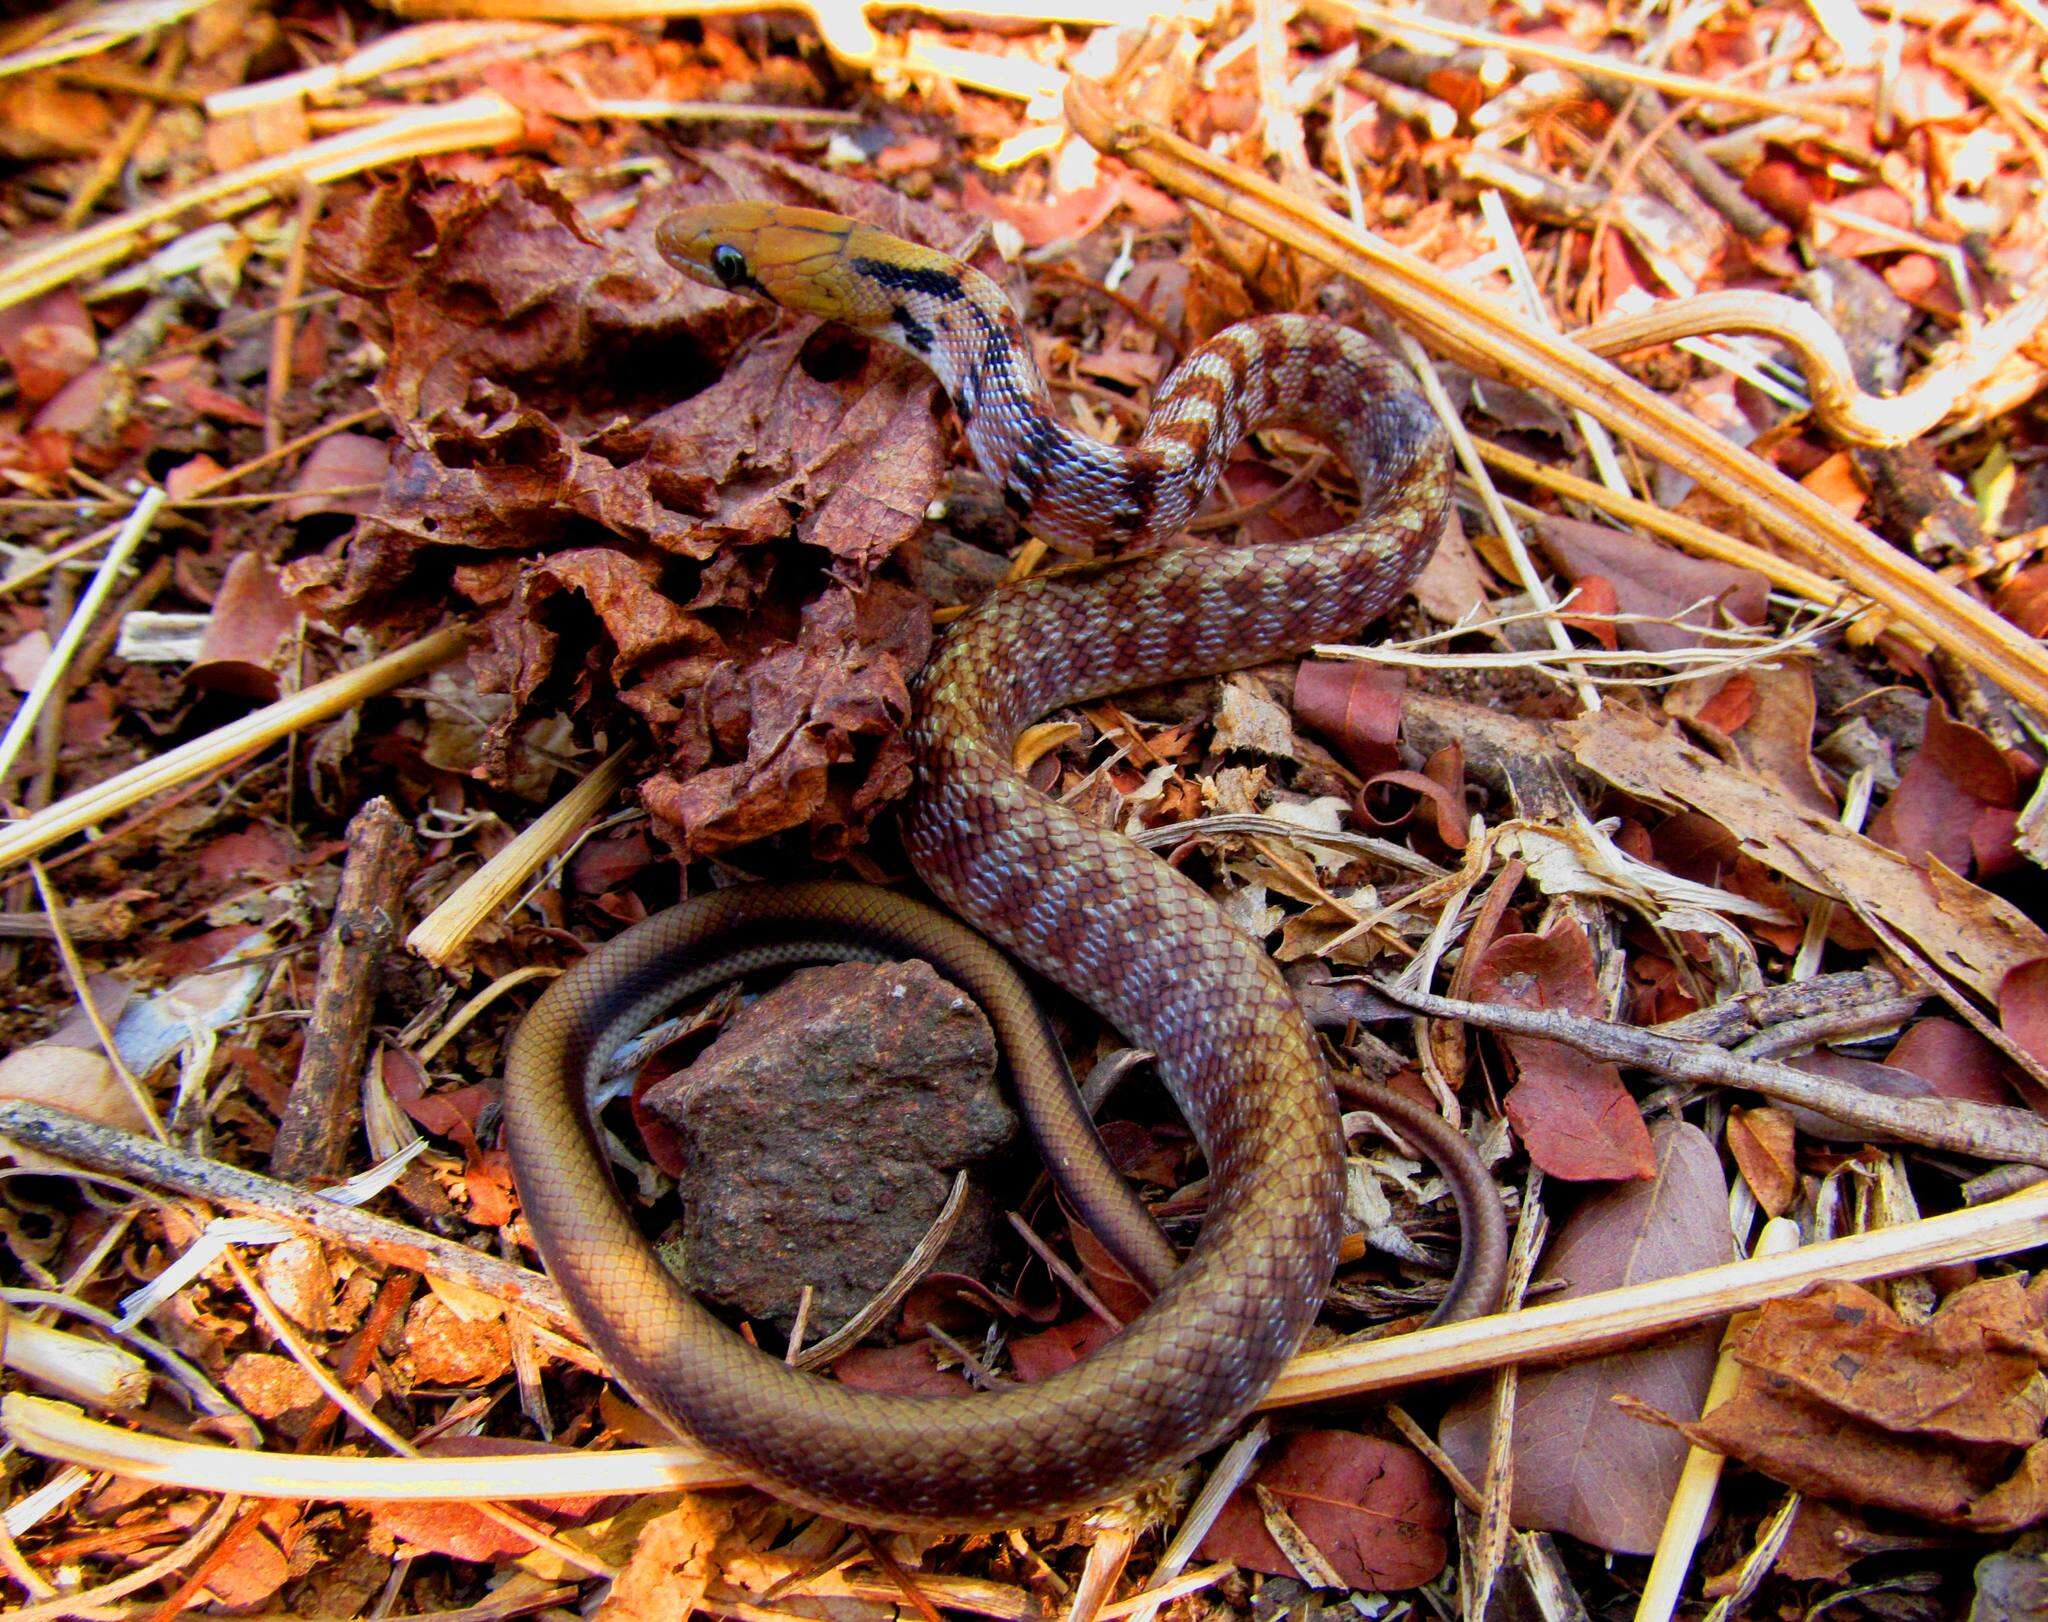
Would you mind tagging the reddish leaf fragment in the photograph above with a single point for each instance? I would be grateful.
(1356, 706)
(251, 631)
(1655, 580)
(1822, 1544)
(1731, 706)
(2023, 1007)
(47, 341)
(1952, 1059)
(462, 1530)
(1953, 776)
(1591, 607)
(1762, 1142)
(1375, 1511)
(1573, 1112)
(903, 1371)
(340, 462)
(2024, 600)
(1105, 1275)
(1040, 1356)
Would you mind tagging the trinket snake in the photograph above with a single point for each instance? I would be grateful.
(1090, 910)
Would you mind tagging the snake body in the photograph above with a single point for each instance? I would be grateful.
(1083, 906)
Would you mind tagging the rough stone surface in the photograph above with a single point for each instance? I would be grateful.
(820, 1134)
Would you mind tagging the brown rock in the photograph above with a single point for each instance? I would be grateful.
(821, 1132)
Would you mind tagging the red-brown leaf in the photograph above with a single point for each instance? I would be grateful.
(1953, 776)
(903, 1371)
(2023, 1007)
(1374, 1509)
(1574, 1113)
(1356, 706)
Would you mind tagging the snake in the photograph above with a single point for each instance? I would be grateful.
(1081, 905)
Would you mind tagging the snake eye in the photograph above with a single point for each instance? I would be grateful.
(729, 264)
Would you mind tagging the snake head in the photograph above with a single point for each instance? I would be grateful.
(795, 257)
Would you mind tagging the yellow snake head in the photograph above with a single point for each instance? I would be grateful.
(801, 258)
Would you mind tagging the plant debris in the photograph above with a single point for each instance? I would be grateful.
(408, 580)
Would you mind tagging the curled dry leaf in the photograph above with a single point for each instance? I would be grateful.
(249, 634)
(1842, 1398)
(1762, 1141)
(1356, 706)
(1439, 786)
(1572, 1111)
(1373, 1510)
(709, 497)
(1583, 1465)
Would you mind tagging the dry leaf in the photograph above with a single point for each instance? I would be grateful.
(672, 1564)
(1356, 706)
(1582, 1465)
(1842, 1398)
(1976, 935)
(1954, 802)
(77, 1080)
(251, 631)
(1660, 581)
(1762, 1142)
(1572, 1111)
(1373, 1510)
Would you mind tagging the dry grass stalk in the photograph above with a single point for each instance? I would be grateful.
(1591, 64)
(88, 1371)
(50, 679)
(1694, 1496)
(1688, 533)
(440, 936)
(1839, 401)
(100, 29)
(34, 834)
(57, 1430)
(1473, 328)
(408, 48)
(481, 120)
(1557, 1331)
(1562, 1330)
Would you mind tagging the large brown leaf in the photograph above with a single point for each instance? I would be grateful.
(1583, 1465)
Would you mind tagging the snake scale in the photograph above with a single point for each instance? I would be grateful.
(1083, 906)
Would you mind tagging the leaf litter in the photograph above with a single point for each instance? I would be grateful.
(464, 388)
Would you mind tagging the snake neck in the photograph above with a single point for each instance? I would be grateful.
(1075, 634)
(1072, 491)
